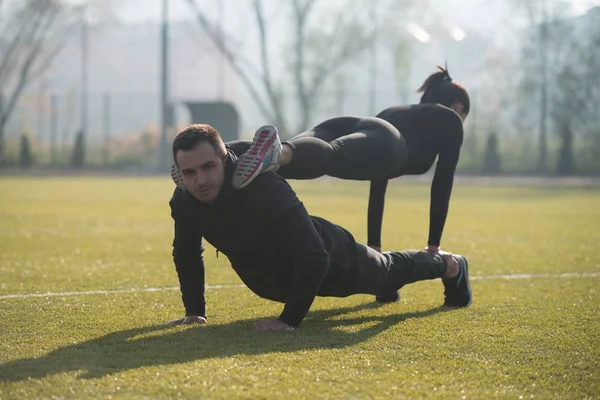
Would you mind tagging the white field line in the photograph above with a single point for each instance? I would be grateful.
(164, 289)
(113, 291)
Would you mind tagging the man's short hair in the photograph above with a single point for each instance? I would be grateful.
(194, 134)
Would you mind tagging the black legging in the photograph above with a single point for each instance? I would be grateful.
(343, 147)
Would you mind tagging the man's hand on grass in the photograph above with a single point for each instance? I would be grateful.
(272, 325)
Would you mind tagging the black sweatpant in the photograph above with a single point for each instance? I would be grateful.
(343, 147)
(382, 273)
(378, 273)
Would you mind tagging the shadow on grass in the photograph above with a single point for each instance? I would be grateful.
(159, 345)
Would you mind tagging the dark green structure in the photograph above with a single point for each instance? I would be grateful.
(223, 116)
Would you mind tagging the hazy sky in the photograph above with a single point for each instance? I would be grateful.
(475, 13)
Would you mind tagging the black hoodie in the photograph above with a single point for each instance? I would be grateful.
(278, 250)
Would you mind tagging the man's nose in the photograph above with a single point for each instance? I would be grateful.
(201, 179)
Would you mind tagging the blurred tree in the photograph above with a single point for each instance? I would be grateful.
(492, 163)
(566, 160)
(78, 155)
(402, 70)
(30, 37)
(534, 77)
(497, 85)
(25, 156)
(318, 50)
(573, 84)
(571, 79)
(340, 86)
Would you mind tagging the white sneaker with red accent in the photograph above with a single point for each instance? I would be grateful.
(262, 156)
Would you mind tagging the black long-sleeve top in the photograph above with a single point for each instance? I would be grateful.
(430, 131)
(268, 236)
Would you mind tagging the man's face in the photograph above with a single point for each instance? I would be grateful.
(203, 172)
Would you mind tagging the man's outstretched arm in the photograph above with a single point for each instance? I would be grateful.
(189, 264)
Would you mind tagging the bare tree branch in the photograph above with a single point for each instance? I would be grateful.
(40, 39)
(348, 50)
(316, 57)
(26, 23)
(301, 12)
(34, 22)
(231, 58)
(329, 52)
(266, 78)
(45, 63)
(23, 77)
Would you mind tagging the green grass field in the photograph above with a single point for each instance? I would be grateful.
(533, 337)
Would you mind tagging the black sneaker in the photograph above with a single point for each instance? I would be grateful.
(457, 290)
(388, 297)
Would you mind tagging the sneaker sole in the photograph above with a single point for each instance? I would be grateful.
(257, 170)
(463, 259)
(176, 176)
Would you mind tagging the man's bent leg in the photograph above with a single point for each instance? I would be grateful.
(413, 266)
(374, 269)
(382, 274)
